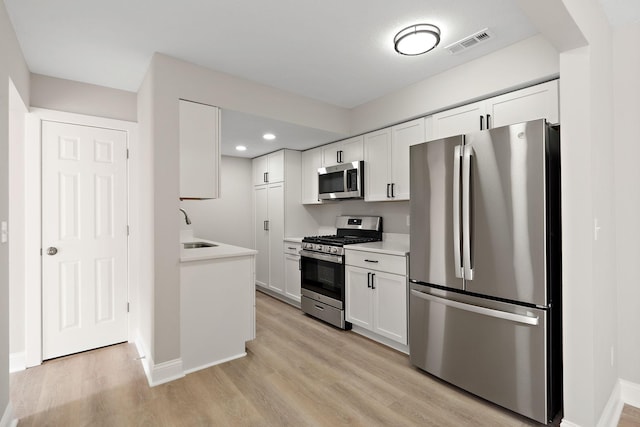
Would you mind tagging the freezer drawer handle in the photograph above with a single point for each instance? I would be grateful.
(479, 310)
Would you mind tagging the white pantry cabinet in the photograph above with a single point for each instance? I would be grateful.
(534, 102)
(345, 151)
(269, 208)
(311, 162)
(199, 150)
(278, 213)
(292, 270)
(268, 168)
(376, 293)
(386, 156)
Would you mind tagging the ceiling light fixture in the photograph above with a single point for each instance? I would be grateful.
(416, 39)
(269, 136)
(241, 148)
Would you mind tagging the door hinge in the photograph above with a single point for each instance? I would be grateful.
(127, 307)
(127, 230)
(127, 153)
(40, 251)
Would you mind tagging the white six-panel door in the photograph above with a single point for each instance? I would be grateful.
(84, 238)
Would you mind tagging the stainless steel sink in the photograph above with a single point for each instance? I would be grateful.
(195, 245)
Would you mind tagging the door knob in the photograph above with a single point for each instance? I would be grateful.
(52, 251)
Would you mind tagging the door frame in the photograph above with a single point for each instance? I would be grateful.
(33, 217)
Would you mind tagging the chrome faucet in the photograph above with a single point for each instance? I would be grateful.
(186, 217)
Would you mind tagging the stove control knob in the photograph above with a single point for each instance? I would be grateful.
(319, 248)
(334, 250)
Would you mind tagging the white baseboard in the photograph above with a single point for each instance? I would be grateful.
(630, 393)
(158, 373)
(217, 362)
(166, 371)
(379, 338)
(7, 419)
(566, 423)
(612, 410)
(17, 362)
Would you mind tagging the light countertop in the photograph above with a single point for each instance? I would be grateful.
(392, 244)
(293, 239)
(222, 250)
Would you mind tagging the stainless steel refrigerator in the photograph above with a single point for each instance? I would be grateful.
(485, 267)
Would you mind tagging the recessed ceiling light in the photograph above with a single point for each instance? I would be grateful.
(416, 39)
(269, 136)
(241, 148)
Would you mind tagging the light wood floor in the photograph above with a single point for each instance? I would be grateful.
(298, 372)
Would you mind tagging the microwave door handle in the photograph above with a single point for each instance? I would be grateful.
(347, 181)
(457, 242)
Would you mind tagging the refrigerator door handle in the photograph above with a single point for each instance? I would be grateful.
(467, 212)
(457, 242)
(499, 314)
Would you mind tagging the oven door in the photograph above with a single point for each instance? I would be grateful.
(323, 276)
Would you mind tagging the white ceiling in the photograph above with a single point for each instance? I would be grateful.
(340, 52)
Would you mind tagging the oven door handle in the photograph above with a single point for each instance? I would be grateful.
(336, 259)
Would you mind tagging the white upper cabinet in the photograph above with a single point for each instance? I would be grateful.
(404, 136)
(199, 150)
(377, 165)
(386, 154)
(348, 150)
(311, 162)
(268, 168)
(460, 120)
(535, 102)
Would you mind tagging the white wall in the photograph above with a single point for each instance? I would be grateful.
(171, 80)
(17, 260)
(530, 61)
(142, 187)
(590, 318)
(83, 98)
(394, 214)
(228, 219)
(626, 90)
(12, 66)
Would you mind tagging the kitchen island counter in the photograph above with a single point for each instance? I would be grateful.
(217, 303)
(221, 250)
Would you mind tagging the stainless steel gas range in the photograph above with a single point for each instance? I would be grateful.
(322, 267)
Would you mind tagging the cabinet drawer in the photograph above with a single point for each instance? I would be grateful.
(374, 261)
(292, 248)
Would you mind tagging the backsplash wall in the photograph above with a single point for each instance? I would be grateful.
(394, 214)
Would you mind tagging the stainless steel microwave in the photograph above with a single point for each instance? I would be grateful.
(343, 181)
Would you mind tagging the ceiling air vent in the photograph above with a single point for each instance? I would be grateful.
(470, 41)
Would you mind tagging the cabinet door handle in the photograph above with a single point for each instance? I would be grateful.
(388, 186)
(368, 280)
(373, 286)
(291, 248)
(338, 156)
(393, 190)
(265, 225)
(488, 123)
(481, 122)
(371, 260)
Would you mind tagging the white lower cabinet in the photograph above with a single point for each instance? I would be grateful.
(292, 270)
(376, 300)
